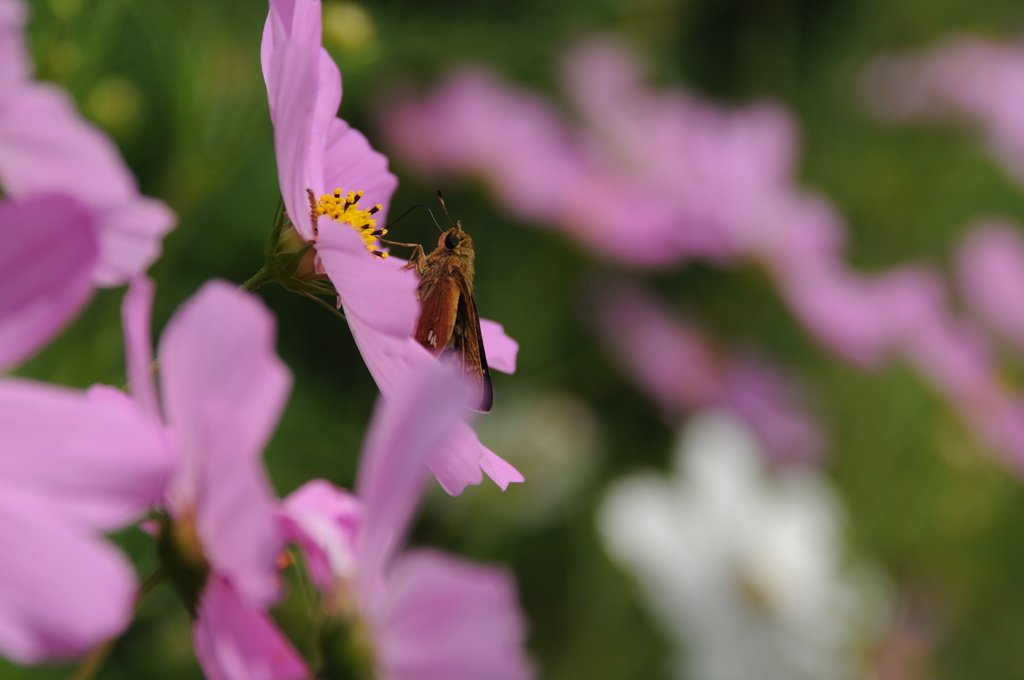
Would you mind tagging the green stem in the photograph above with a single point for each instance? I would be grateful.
(330, 308)
(260, 279)
(98, 656)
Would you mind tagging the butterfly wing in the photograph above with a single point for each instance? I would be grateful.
(449, 323)
(439, 302)
(469, 344)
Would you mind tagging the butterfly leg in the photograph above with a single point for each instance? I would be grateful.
(417, 260)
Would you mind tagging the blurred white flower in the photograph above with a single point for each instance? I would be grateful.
(743, 568)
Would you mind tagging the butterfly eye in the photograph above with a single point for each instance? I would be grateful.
(451, 241)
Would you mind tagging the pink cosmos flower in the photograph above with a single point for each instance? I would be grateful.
(964, 78)
(684, 371)
(425, 614)
(316, 153)
(712, 169)
(222, 390)
(63, 587)
(71, 206)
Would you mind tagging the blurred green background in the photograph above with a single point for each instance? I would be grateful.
(177, 83)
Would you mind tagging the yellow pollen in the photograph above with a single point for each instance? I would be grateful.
(345, 208)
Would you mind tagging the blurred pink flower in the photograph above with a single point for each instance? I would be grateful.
(316, 153)
(856, 316)
(683, 371)
(990, 270)
(770, 402)
(72, 209)
(650, 179)
(904, 314)
(14, 61)
(653, 178)
(475, 124)
(63, 587)
(45, 271)
(222, 391)
(47, 148)
(235, 640)
(953, 356)
(711, 169)
(427, 614)
(971, 78)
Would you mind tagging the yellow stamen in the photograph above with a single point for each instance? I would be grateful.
(345, 208)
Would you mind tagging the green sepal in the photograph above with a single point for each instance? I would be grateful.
(342, 655)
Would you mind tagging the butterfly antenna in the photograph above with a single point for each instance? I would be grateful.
(441, 198)
(418, 205)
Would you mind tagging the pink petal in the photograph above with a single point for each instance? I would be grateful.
(224, 388)
(323, 519)
(459, 463)
(700, 173)
(351, 164)
(302, 111)
(950, 354)
(14, 60)
(407, 431)
(328, 99)
(501, 349)
(378, 295)
(990, 267)
(667, 357)
(493, 465)
(235, 641)
(653, 177)
(299, 21)
(845, 310)
(62, 592)
(389, 359)
(768, 400)
(684, 370)
(46, 147)
(966, 78)
(475, 125)
(136, 310)
(291, 88)
(102, 465)
(130, 239)
(45, 271)
(448, 619)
